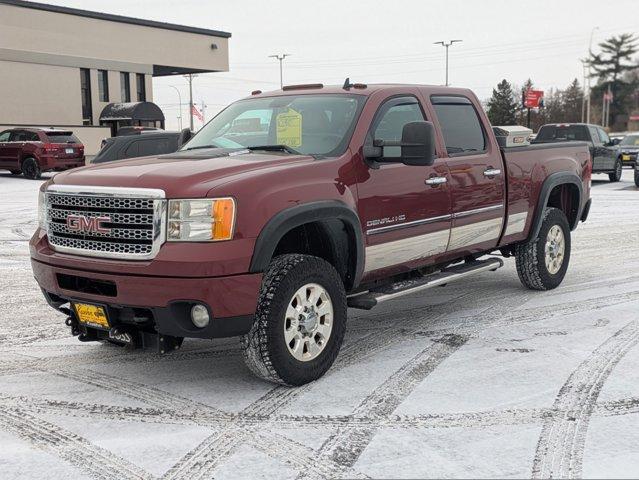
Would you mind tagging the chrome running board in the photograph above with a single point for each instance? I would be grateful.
(369, 299)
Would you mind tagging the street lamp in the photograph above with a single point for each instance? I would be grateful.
(180, 104)
(446, 45)
(280, 58)
(592, 32)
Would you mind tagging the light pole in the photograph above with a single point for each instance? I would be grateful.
(446, 46)
(281, 59)
(592, 32)
(179, 105)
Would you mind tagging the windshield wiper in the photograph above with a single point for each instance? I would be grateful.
(200, 147)
(275, 148)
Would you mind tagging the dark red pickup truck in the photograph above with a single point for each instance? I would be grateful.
(290, 206)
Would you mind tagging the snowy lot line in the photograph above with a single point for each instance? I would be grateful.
(435, 369)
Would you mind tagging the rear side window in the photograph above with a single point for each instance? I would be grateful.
(62, 137)
(460, 125)
(18, 136)
(4, 136)
(148, 147)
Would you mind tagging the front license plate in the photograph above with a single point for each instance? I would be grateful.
(625, 157)
(69, 150)
(92, 315)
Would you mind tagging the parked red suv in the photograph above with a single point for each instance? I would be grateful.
(31, 151)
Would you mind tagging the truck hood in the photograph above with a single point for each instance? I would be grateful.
(188, 174)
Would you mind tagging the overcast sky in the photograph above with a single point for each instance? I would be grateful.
(383, 41)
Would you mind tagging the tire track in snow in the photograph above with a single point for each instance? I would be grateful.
(561, 444)
(73, 449)
(346, 445)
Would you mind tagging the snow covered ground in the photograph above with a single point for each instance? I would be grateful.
(477, 379)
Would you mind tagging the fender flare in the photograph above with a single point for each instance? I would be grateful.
(553, 180)
(290, 218)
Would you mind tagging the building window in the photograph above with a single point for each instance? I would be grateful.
(85, 92)
(141, 87)
(103, 85)
(125, 88)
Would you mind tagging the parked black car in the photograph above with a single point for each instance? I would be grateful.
(629, 148)
(153, 142)
(605, 154)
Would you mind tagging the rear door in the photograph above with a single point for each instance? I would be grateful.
(13, 149)
(477, 175)
(405, 210)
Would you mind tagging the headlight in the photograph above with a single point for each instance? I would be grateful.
(202, 220)
(42, 210)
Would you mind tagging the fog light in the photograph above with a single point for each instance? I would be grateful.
(200, 316)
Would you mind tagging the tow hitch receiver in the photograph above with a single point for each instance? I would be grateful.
(129, 338)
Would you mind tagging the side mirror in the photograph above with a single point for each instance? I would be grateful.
(418, 144)
(185, 135)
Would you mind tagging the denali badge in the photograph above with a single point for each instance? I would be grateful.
(80, 223)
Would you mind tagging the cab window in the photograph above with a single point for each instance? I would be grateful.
(390, 120)
(460, 124)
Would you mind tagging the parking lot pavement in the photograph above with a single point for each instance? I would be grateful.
(477, 379)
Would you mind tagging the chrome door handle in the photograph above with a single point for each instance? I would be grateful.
(435, 180)
(492, 172)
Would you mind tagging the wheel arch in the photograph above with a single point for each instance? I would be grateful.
(323, 219)
(563, 190)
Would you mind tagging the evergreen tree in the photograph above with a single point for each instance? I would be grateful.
(502, 106)
(610, 65)
(573, 98)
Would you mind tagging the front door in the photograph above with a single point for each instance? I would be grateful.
(4, 148)
(405, 210)
(477, 176)
(602, 160)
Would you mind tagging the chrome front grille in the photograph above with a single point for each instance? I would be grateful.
(105, 222)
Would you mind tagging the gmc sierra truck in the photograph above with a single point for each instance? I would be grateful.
(291, 206)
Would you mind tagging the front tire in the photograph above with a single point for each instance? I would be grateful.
(616, 175)
(31, 169)
(299, 323)
(542, 263)
(637, 178)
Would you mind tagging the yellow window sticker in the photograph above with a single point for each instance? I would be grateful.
(289, 128)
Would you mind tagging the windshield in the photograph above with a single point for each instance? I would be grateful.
(630, 140)
(309, 124)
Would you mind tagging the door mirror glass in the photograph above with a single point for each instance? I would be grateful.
(185, 136)
(418, 143)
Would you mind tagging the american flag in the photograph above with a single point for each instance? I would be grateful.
(197, 113)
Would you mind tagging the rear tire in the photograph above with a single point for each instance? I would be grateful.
(294, 339)
(616, 175)
(542, 262)
(31, 169)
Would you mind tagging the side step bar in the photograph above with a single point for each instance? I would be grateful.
(369, 299)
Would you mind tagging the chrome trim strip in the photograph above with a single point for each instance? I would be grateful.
(414, 223)
(516, 223)
(473, 233)
(406, 250)
(468, 213)
(97, 191)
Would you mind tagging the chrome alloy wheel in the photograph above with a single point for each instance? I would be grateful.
(555, 249)
(309, 322)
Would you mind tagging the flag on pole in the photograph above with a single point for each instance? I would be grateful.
(197, 113)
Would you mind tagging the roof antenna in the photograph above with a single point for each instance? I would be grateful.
(347, 84)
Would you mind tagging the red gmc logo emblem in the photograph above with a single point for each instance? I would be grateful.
(80, 223)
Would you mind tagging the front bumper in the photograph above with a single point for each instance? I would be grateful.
(160, 303)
